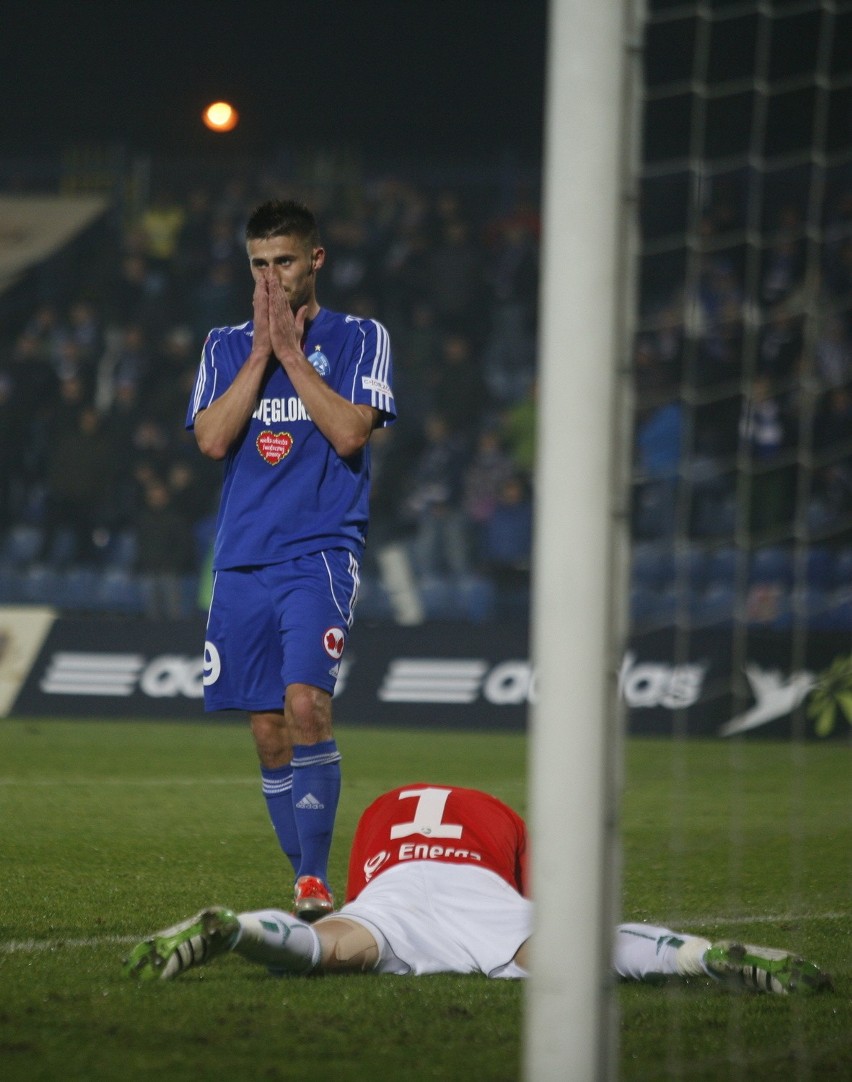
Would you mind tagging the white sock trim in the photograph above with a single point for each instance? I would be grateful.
(689, 958)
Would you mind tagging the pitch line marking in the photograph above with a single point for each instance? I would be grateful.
(35, 946)
(703, 921)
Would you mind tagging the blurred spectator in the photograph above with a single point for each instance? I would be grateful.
(68, 362)
(215, 300)
(190, 257)
(780, 346)
(152, 448)
(715, 308)
(194, 486)
(349, 266)
(225, 243)
(161, 223)
(406, 272)
(44, 333)
(489, 469)
(233, 204)
(72, 395)
(767, 432)
(132, 359)
(166, 551)
(834, 353)
(838, 267)
(830, 503)
(456, 280)
(513, 276)
(659, 450)
(34, 373)
(784, 261)
(420, 346)
(647, 370)
(393, 450)
(173, 369)
(507, 545)
(457, 388)
(85, 330)
(669, 346)
(138, 295)
(440, 542)
(833, 420)
(80, 477)
(519, 431)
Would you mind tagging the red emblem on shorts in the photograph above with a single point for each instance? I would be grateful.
(274, 446)
(333, 641)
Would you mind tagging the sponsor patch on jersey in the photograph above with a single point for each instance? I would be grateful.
(370, 383)
(320, 362)
(333, 641)
(372, 864)
(273, 446)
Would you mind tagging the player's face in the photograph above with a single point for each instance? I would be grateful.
(291, 261)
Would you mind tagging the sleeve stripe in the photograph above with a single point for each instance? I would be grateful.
(206, 369)
(381, 366)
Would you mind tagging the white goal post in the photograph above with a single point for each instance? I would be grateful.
(581, 536)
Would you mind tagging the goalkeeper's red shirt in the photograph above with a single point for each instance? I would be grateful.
(447, 824)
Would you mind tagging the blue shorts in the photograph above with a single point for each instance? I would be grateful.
(273, 626)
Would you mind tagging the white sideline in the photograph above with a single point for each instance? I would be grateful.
(696, 924)
(34, 946)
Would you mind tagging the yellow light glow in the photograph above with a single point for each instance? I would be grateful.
(220, 116)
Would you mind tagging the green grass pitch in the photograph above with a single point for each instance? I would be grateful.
(109, 830)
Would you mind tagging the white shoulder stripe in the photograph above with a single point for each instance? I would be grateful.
(208, 373)
(380, 368)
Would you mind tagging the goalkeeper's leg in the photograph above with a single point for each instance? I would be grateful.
(647, 952)
(286, 944)
(278, 940)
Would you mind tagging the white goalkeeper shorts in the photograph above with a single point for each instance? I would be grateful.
(431, 917)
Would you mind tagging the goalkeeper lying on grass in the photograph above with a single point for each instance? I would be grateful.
(436, 884)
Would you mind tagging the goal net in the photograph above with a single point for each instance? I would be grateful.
(737, 659)
(740, 651)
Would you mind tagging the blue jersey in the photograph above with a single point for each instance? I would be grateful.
(285, 490)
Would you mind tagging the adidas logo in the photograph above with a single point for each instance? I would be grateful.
(310, 801)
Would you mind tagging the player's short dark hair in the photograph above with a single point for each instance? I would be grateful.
(283, 218)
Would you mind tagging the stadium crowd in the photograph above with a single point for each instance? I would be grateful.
(99, 477)
(742, 418)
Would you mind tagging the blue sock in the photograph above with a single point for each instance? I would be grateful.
(316, 791)
(277, 789)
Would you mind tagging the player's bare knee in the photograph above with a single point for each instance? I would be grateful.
(271, 738)
(308, 712)
(346, 947)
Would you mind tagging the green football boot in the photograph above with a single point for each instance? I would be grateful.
(764, 969)
(193, 942)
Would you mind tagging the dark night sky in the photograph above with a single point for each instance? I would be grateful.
(400, 75)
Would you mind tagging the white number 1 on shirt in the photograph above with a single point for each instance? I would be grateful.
(427, 815)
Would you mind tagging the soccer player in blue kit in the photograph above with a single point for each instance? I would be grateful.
(288, 402)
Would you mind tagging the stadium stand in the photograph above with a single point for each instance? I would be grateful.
(451, 269)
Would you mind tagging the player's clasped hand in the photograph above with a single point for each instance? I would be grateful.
(262, 341)
(285, 327)
(276, 329)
